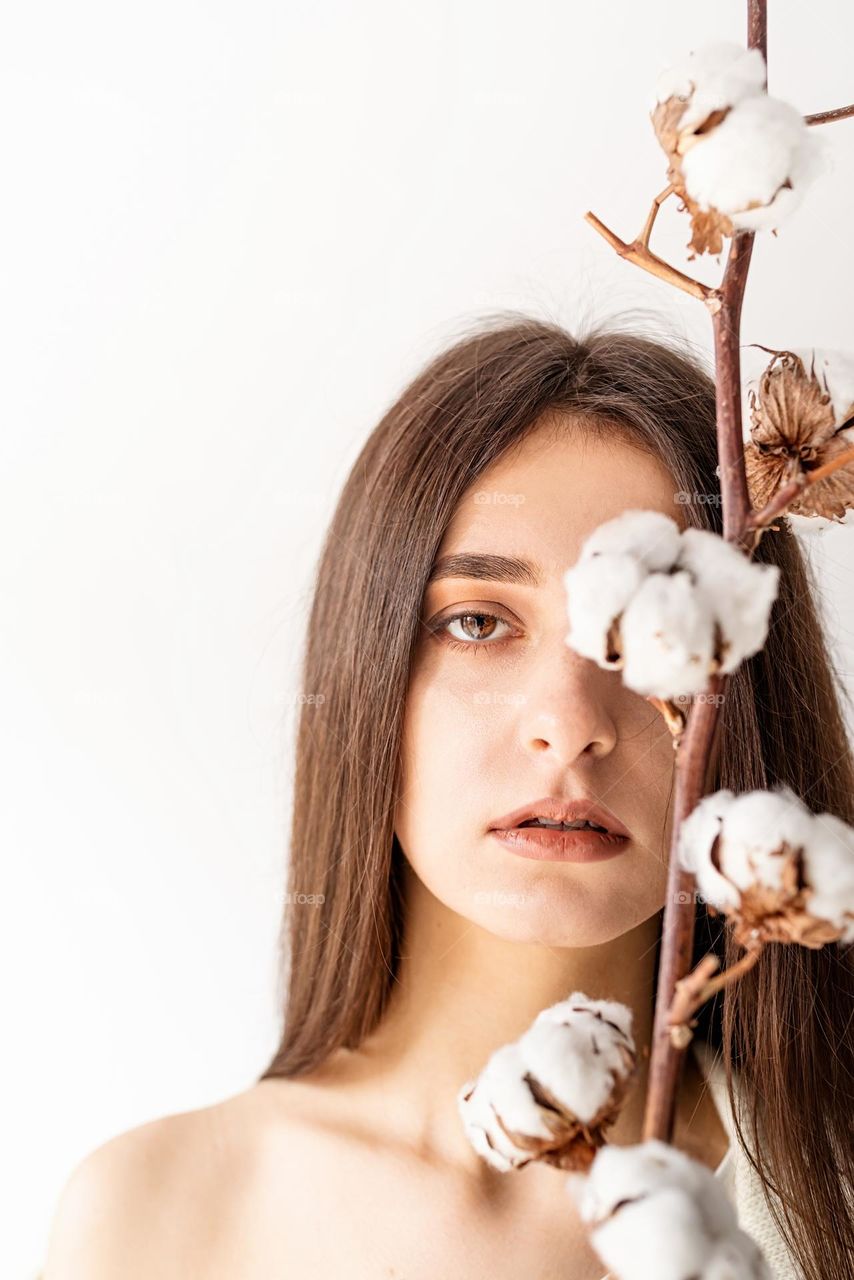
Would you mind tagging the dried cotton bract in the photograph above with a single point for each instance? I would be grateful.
(739, 159)
(667, 608)
(778, 871)
(656, 1214)
(551, 1095)
(802, 416)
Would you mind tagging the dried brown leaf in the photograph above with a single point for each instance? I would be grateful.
(794, 431)
(792, 413)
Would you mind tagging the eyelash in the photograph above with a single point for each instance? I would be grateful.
(468, 646)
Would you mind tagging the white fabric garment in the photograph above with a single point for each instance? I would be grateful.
(740, 1181)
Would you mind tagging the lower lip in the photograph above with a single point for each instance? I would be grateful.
(561, 846)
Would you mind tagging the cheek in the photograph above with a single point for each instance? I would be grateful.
(454, 733)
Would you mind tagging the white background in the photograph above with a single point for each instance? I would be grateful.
(231, 233)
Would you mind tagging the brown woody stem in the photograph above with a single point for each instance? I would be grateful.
(696, 746)
(825, 117)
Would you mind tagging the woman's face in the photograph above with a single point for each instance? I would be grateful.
(501, 712)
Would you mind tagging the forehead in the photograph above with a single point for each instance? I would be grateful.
(541, 500)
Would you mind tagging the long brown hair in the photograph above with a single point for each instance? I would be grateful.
(786, 1025)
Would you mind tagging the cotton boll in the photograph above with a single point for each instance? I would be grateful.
(598, 591)
(739, 591)
(668, 634)
(552, 1094)
(783, 874)
(739, 159)
(747, 158)
(500, 1087)
(712, 78)
(656, 1214)
(834, 371)
(657, 1238)
(613, 563)
(669, 608)
(650, 537)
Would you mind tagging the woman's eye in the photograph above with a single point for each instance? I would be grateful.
(477, 630)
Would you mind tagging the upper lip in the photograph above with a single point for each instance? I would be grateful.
(562, 811)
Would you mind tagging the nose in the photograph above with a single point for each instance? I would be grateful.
(566, 714)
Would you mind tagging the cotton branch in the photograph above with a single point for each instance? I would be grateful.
(694, 744)
(695, 735)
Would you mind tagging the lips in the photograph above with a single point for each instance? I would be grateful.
(555, 810)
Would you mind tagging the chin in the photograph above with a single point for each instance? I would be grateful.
(555, 915)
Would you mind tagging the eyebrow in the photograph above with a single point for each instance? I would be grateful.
(488, 568)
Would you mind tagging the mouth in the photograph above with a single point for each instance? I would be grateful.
(571, 844)
(553, 814)
(563, 830)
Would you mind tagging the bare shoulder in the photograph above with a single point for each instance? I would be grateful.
(159, 1198)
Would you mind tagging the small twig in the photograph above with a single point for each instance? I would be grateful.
(787, 494)
(692, 992)
(686, 999)
(747, 961)
(643, 238)
(641, 256)
(825, 117)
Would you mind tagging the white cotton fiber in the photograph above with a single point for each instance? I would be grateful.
(650, 537)
(761, 834)
(667, 637)
(598, 591)
(712, 78)
(656, 1214)
(581, 1053)
(575, 1054)
(669, 608)
(830, 868)
(733, 149)
(697, 834)
(739, 591)
(747, 158)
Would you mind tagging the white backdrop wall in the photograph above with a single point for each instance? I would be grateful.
(231, 233)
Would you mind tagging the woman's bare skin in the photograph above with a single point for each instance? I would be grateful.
(290, 1179)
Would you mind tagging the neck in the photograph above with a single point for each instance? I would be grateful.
(461, 992)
